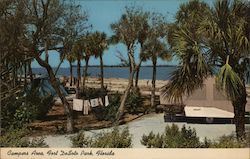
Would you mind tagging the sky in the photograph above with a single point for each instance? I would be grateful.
(102, 13)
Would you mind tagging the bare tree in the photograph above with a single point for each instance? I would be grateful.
(47, 30)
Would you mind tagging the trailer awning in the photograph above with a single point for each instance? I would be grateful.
(208, 112)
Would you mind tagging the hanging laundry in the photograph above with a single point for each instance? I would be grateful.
(85, 109)
(106, 100)
(77, 104)
(88, 105)
(94, 102)
(100, 101)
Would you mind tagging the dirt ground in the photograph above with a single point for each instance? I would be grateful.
(55, 122)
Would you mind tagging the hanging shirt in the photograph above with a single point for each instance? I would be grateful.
(87, 104)
(94, 102)
(100, 101)
(77, 104)
(85, 110)
(106, 100)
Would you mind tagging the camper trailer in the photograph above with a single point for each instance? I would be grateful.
(207, 103)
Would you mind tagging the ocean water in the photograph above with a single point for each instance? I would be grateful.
(162, 73)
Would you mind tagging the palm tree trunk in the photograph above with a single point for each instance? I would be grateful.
(58, 67)
(121, 109)
(239, 105)
(55, 85)
(154, 61)
(71, 72)
(133, 67)
(85, 72)
(130, 70)
(137, 75)
(101, 66)
(78, 77)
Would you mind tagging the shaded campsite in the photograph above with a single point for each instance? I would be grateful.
(97, 117)
(56, 120)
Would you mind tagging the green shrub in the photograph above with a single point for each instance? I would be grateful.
(18, 138)
(14, 138)
(24, 108)
(134, 101)
(41, 105)
(187, 138)
(81, 140)
(152, 140)
(113, 139)
(38, 142)
(248, 139)
(172, 138)
(8, 109)
(108, 113)
(89, 93)
(206, 143)
(228, 141)
(23, 115)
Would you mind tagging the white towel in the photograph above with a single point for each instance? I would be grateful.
(106, 100)
(100, 101)
(94, 102)
(77, 104)
(85, 110)
(87, 103)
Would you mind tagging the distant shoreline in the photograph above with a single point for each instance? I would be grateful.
(128, 66)
(163, 72)
(111, 66)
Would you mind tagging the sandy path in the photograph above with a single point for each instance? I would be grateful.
(147, 123)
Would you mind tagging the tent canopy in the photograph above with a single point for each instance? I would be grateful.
(44, 86)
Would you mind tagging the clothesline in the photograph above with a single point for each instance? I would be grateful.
(86, 105)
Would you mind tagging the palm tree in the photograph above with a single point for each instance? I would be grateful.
(126, 31)
(77, 53)
(155, 46)
(156, 49)
(69, 52)
(100, 43)
(71, 58)
(142, 37)
(218, 38)
(87, 52)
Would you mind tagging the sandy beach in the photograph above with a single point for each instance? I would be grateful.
(120, 84)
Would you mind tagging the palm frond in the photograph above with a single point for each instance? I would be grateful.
(229, 81)
(193, 67)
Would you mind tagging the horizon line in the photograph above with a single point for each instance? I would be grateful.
(114, 66)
